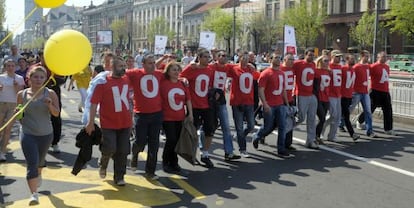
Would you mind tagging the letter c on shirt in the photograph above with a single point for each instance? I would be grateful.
(171, 99)
(304, 77)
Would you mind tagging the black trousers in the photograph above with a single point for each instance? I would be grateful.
(56, 120)
(383, 100)
(345, 103)
(172, 132)
(321, 112)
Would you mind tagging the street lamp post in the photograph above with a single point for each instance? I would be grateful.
(374, 44)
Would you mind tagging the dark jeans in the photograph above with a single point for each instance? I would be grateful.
(323, 108)
(147, 131)
(345, 103)
(56, 120)
(383, 100)
(116, 145)
(172, 132)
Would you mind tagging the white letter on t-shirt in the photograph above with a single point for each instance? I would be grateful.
(280, 88)
(304, 77)
(198, 83)
(219, 79)
(144, 86)
(246, 82)
(171, 99)
(120, 98)
(384, 76)
(337, 78)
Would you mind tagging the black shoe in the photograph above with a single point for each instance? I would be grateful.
(262, 141)
(168, 169)
(176, 168)
(256, 143)
(284, 155)
(291, 148)
(231, 156)
(342, 129)
(207, 162)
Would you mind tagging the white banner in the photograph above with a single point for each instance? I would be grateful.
(207, 40)
(160, 44)
(290, 40)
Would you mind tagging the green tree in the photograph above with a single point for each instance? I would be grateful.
(159, 26)
(263, 31)
(2, 13)
(362, 32)
(120, 33)
(401, 17)
(307, 18)
(221, 23)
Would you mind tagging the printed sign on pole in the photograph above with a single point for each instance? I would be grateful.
(290, 40)
(160, 44)
(207, 40)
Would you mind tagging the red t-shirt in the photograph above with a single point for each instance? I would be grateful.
(147, 97)
(200, 82)
(348, 80)
(112, 97)
(174, 98)
(380, 74)
(220, 75)
(273, 83)
(325, 81)
(289, 81)
(305, 73)
(361, 78)
(241, 92)
(336, 80)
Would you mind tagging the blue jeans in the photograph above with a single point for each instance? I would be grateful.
(277, 115)
(366, 106)
(225, 128)
(239, 113)
(147, 131)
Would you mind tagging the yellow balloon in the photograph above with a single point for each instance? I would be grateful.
(67, 52)
(49, 3)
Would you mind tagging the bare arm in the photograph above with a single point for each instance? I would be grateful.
(190, 110)
(52, 103)
(90, 126)
(262, 97)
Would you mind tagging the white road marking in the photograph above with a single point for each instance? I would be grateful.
(355, 157)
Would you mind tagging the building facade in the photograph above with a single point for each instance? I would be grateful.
(35, 18)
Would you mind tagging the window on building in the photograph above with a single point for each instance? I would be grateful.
(381, 4)
(408, 44)
(277, 9)
(342, 7)
(291, 4)
(357, 6)
(269, 11)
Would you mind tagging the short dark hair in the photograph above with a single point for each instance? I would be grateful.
(308, 50)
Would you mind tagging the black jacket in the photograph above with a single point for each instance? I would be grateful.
(85, 143)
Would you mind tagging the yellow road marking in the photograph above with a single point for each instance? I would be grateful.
(187, 187)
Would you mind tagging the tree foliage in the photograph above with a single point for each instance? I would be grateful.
(159, 26)
(401, 17)
(264, 32)
(221, 23)
(363, 32)
(2, 13)
(307, 18)
(120, 32)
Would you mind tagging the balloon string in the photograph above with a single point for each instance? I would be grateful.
(18, 25)
(21, 110)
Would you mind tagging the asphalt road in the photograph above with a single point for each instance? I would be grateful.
(370, 173)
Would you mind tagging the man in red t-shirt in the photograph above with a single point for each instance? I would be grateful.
(360, 94)
(286, 67)
(307, 102)
(241, 100)
(272, 94)
(148, 113)
(334, 95)
(220, 69)
(348, 79)
(199, 77)
(115, 120)
(380, 93)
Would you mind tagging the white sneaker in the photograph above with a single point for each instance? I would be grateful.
(120, 182)
(34, 199)
(334, 139)
(360, 126)
(244, 154)
(3, 157)
(391, 132)
(55, 148)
